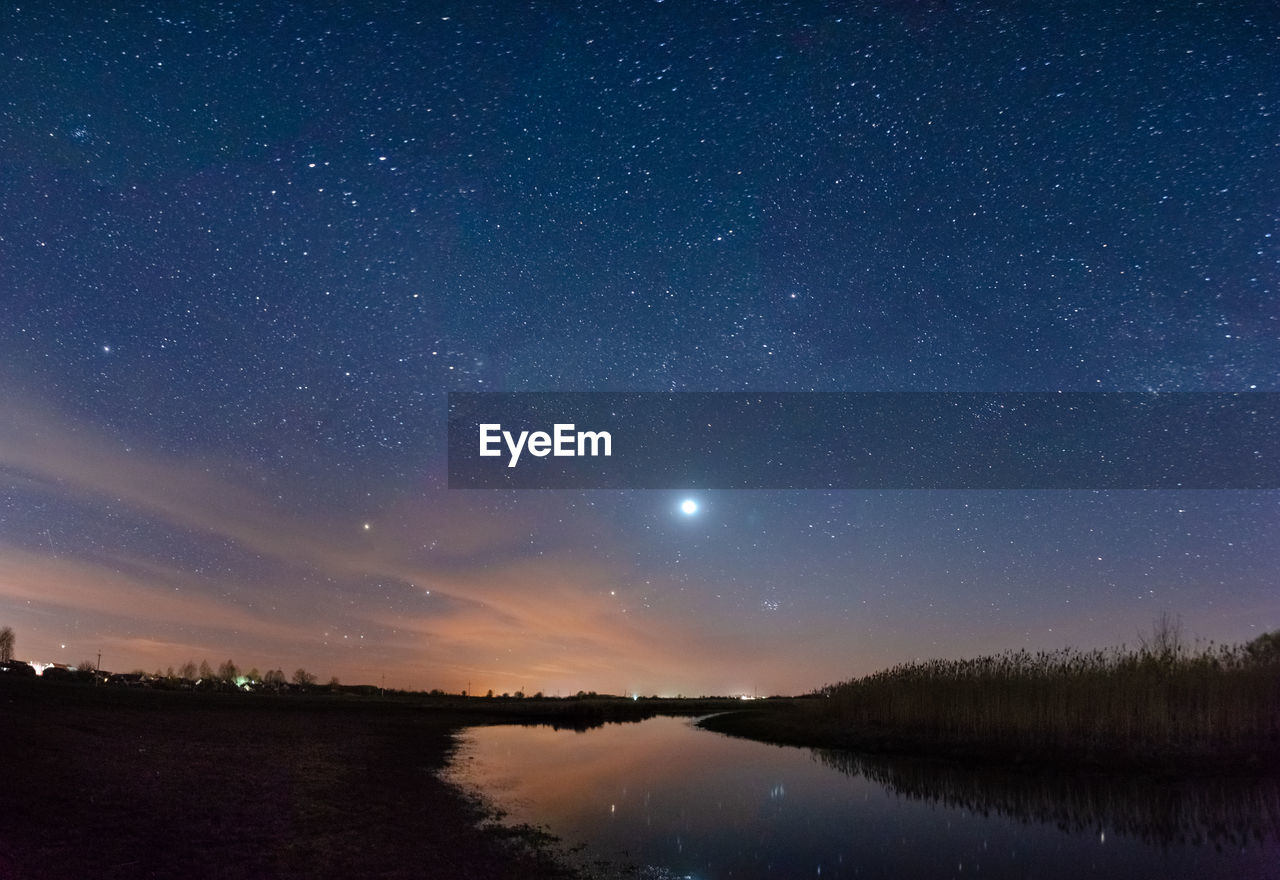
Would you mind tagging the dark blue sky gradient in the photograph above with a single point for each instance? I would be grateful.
(245, 252)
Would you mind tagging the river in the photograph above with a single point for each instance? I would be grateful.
(670, 800)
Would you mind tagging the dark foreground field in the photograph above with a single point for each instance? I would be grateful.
(105, 783)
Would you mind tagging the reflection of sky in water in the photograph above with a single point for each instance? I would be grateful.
(662, 793)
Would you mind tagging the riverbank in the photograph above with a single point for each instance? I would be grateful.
(123, 784)
(805, 722)
(1164, 707)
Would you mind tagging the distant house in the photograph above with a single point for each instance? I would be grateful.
(17, 667)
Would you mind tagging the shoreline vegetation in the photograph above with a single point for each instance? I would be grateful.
(123, 781)
(1162, 708)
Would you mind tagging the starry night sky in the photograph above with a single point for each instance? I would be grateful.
(246, 249)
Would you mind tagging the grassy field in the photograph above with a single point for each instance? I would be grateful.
(116, 783)
(1161, 707)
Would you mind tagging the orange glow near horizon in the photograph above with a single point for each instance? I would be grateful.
(440, 594)
(172, 558)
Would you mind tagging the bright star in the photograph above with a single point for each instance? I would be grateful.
(688, 507)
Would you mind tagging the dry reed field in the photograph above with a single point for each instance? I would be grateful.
(1160, 704)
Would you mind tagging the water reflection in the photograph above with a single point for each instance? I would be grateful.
(1235, 812)
(662, 793)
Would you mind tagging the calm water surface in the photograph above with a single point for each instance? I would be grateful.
(675, 801)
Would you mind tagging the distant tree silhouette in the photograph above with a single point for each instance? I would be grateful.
(302, 677)
(334, 684)
(253, 675)
(1265, 648)
(188, 670)
(206, 671)
(228, 672)
(1166, 642)
(275, 678)
(6, 644)
(85, 666)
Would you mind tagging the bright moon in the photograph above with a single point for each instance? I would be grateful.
(688, 507)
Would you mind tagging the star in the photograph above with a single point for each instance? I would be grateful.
(688, 507)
